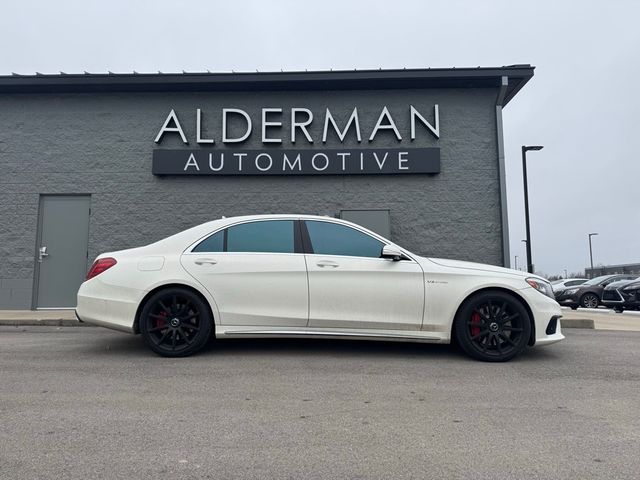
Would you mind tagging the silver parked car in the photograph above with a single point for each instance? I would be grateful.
(566, 283)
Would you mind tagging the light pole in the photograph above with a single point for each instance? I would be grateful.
(525, 149)
(565, 273)
(591, 250)
(516, 261)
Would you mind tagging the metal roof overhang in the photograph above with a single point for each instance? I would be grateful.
(480, 77)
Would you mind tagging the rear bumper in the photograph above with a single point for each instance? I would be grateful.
(108, 306)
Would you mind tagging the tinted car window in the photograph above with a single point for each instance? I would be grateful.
(274, 236)
(596, 280)
(334, 239)
(574, 282)
(616, 279)
(214, 243)
(626, 277)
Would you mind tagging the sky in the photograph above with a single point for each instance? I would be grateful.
(583, 104)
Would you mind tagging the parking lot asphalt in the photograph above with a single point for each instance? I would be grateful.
(78, 403)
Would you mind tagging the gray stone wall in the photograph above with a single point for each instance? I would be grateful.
(102, 144)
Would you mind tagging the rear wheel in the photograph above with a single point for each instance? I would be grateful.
(589, 300)
(493, 327)
(175, 322)
(618, 309)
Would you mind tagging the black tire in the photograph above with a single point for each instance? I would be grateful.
(618, 309)
(574, 308)
(493, 326)
(589, 300)
(175, 322)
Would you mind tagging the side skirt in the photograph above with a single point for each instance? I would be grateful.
(399, 336)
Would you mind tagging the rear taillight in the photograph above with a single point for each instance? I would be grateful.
(100, 266)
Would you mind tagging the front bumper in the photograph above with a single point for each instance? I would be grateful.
(629, 305)
(568, 300)
(612, 296)
(621, 298)
(552, 332)
(545, 312)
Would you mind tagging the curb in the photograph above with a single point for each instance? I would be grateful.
(48, 322)
(577, 323)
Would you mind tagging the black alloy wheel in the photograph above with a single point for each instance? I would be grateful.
(589, 300)
(175, 322)
(493, 326)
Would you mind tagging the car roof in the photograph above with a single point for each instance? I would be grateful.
(246, 218)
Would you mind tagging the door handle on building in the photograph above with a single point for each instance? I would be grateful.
(327, 263)
(205, 261)
(42, 252)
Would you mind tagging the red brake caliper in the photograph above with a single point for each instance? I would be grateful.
(161, 322)
(475, 318)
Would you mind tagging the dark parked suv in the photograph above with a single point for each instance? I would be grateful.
(589, 294)
(623, 295)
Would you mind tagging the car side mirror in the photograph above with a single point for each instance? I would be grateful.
(392, 253)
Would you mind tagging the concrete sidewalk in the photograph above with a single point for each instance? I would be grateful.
(599, 319)
(602, 319)
(61, 318)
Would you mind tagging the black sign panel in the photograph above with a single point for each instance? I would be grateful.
(296, 162)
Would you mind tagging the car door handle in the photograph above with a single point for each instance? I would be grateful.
(327, 263)
(205, 261)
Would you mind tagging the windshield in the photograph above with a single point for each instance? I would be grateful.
(597, 280)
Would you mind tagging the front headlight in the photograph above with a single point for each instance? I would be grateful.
(541, 286)
(571, 291)
(631, 288)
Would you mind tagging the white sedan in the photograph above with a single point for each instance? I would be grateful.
(300, 275)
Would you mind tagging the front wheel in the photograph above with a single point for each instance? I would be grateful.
(493, 327)
(175, 322)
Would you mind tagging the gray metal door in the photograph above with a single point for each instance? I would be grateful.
(61, 253)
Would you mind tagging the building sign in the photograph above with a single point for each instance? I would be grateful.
(237, 127)
(296, 162)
